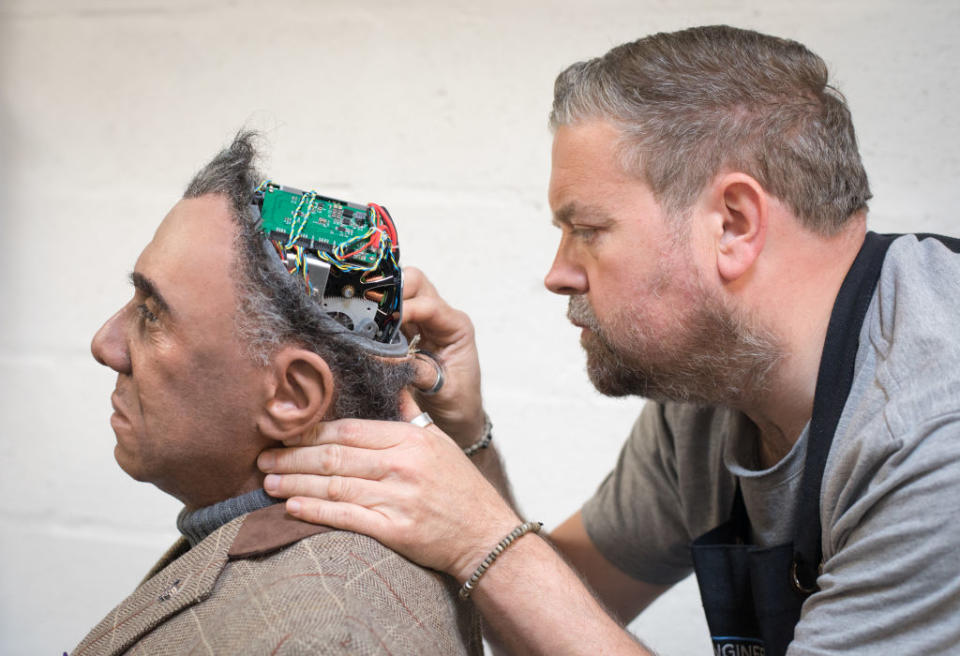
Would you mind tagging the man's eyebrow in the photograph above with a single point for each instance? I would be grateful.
(566, 214)
(149, 289)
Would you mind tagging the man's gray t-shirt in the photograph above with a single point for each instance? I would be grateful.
(890, 498)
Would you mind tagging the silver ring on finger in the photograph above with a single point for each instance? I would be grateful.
(441, 377)
(422, 420)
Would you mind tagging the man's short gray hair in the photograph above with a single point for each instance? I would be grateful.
(695, 103)
(273, 307)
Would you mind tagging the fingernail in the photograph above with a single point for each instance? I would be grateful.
(271, 482)
(267, 461)
(293, 506)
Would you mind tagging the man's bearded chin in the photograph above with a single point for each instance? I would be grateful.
(711, 358)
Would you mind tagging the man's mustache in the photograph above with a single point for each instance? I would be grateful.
(580, 313)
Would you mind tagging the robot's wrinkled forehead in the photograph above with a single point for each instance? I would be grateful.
(346, 254)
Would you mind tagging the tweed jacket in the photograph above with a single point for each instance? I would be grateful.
(267, 583)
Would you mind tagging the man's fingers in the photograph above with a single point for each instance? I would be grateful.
(426, 372)
(438, 322)
(361, 433)
(343, 489)
(346, 516)
(416, 283)
(325, 460)
(408, 407)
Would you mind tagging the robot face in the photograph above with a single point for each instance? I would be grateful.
(347, 255)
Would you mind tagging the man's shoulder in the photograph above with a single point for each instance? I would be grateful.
(903, 412)
(914, 330)
(673, 462)
(918, 285)
(273, 546)
(331, 587)
(889, 539)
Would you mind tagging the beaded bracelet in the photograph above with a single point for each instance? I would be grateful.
(484, 441)
(516, 533)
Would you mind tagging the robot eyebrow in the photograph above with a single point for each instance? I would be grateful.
(149, 289)
(564, 215)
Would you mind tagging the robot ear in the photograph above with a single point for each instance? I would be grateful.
(302, 393)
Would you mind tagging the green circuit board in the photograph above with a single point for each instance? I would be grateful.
(330, 222)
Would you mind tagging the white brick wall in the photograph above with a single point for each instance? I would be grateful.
(437, 109)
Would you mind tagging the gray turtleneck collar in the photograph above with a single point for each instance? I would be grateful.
(197, 524)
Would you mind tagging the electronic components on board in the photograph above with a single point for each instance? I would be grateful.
(347, 255)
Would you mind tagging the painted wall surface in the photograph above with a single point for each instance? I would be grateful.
(437, 109)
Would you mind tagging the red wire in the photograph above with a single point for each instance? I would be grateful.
(384, 218)
(359, 250)
(374, 243)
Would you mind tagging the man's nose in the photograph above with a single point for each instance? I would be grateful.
(109, 345)
(565, 277)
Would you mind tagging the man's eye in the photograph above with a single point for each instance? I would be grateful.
(585, 234)
(145, 314)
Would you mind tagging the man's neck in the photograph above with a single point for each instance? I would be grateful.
(230, 478)
(797, 303)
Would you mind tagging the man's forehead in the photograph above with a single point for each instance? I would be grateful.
(586, 171)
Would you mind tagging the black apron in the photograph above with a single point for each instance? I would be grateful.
(751, 595)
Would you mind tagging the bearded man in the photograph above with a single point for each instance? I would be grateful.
(802, 451)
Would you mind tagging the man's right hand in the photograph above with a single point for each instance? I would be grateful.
(408, 486)
(447, 334)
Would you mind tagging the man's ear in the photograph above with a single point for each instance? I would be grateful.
(742, 211)
(300, 393)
